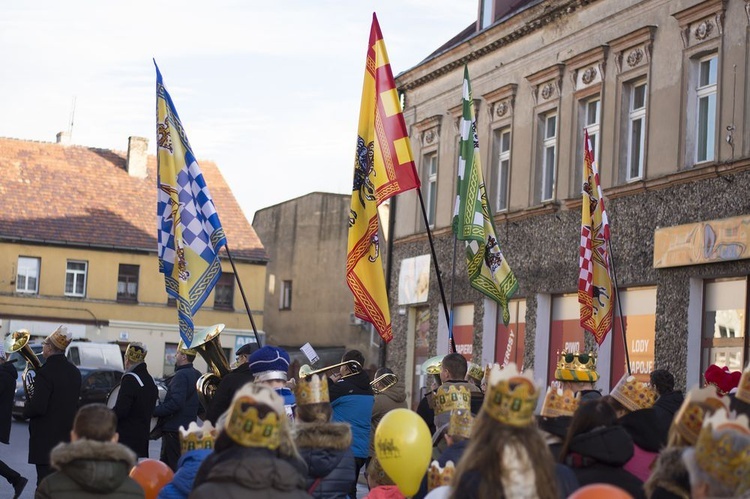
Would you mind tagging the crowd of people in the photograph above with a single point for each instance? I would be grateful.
(263, 434)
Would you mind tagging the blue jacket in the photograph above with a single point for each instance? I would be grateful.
(180, 405)
(325, 447)
(352, 400)
(187, 467)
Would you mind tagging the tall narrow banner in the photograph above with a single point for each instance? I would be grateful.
(383, 167)
(189, 232)
(489, 271)
(595, 290)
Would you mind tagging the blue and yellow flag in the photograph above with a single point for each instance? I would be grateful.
(489, 271)
(189, 232)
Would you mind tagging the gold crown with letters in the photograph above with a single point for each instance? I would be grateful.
(576, 367)
(460, 423)
(451, 398)
(246, 427)
(633, 394)
(438, 476)
(136, 352)
(559, 402)
(699, 402)
(723, 450)
(475, 372)
(312, 391)
(511, 396)
(197, 437)
(743, 389)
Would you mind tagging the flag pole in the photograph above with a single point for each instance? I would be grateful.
(242, 292)
(435, 262)
(388, 268)
(619, 304)
(453, 280)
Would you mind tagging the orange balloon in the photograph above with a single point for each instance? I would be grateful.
(152, 476)
(600, 490)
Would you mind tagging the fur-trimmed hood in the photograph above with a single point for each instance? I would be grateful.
(336, 436)
(99, 467)
(669, 474)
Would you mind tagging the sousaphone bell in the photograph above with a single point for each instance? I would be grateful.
(207, 343)
(18, 341)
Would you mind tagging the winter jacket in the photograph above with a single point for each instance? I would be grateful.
(352, 401)
(643, 428)
(228, 386)
(664, 409)
(181, 403)
(598, 456)
(7, 394)
(326, 448)
(426, 410)
(57, 389)
(393, 398)
(241, 472)
(669, 478)
(385, 492)
(90, 469)
(187, 468)
(134, 407)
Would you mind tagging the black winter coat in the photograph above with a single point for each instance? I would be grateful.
(326, 448)
(8, 376)
(181, 403)
(665, 408)
(598, 456)
(134, 408)
(57, 389)
(228, 386)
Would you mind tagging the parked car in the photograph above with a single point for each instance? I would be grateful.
(93, 354)
(96, 383)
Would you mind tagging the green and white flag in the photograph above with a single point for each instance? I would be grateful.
(489, 272)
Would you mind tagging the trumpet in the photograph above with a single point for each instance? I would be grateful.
(354, 367)
(19, 342)
(383, 382)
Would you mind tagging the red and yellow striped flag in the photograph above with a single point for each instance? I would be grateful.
(595, 291)
(383, 167)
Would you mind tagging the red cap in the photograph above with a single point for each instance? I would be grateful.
(722, 378)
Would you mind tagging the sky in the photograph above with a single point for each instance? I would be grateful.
(268, 90)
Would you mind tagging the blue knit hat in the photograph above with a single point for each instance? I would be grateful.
(269, 363)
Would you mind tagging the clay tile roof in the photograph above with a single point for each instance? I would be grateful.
(83, 196)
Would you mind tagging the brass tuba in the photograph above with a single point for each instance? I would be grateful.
(19, 342)
(206, 342)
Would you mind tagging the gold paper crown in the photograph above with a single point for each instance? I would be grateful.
(60, 337)
(743, 389)
(559, 402)
(197, 437)
(136, 352)
(633, 394)
(452, 397)
(438, 477)
(576, 367)
(475, 371)
(689, 418)
(511, 396)
(248, 429)
(312, 391)
(723, 450)
(460, 423)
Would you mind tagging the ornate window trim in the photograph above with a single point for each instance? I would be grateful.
(633, 51)
(587, 69)
(428, 130)
(501, 102)
(546, 85)
(701, 23)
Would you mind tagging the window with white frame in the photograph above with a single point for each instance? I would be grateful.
(430, 169)
(549, 155)
(285, 299)
(75, 278)
(636, 129)
(27, 276)
(591, 122)
(502, 138)
(705, 92)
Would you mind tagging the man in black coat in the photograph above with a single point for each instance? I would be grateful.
(53, 403)
(232, 382)
(136, 401)
(668, 403)
(8, 376)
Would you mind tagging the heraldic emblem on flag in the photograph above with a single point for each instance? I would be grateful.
(383, 167)
(188, 228)
(489, 271)
(595, 292)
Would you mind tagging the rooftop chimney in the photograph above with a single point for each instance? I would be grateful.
(63, 138)
(137, 157)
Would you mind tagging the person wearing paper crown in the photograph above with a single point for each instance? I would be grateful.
(722, 378)
(554, 419)
(633, 403)
(136, 400)
(232, 382)
(270, 366)
(54, 403)
(254, 454)
(324, 445)
(577, 372)
(506, 456)
(739, 401)
(719, 464)
(196, 444)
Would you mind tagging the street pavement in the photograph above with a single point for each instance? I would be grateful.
(16, 456)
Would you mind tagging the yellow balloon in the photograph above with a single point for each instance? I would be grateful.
(403, 445)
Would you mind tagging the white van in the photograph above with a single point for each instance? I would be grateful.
(90, 354)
